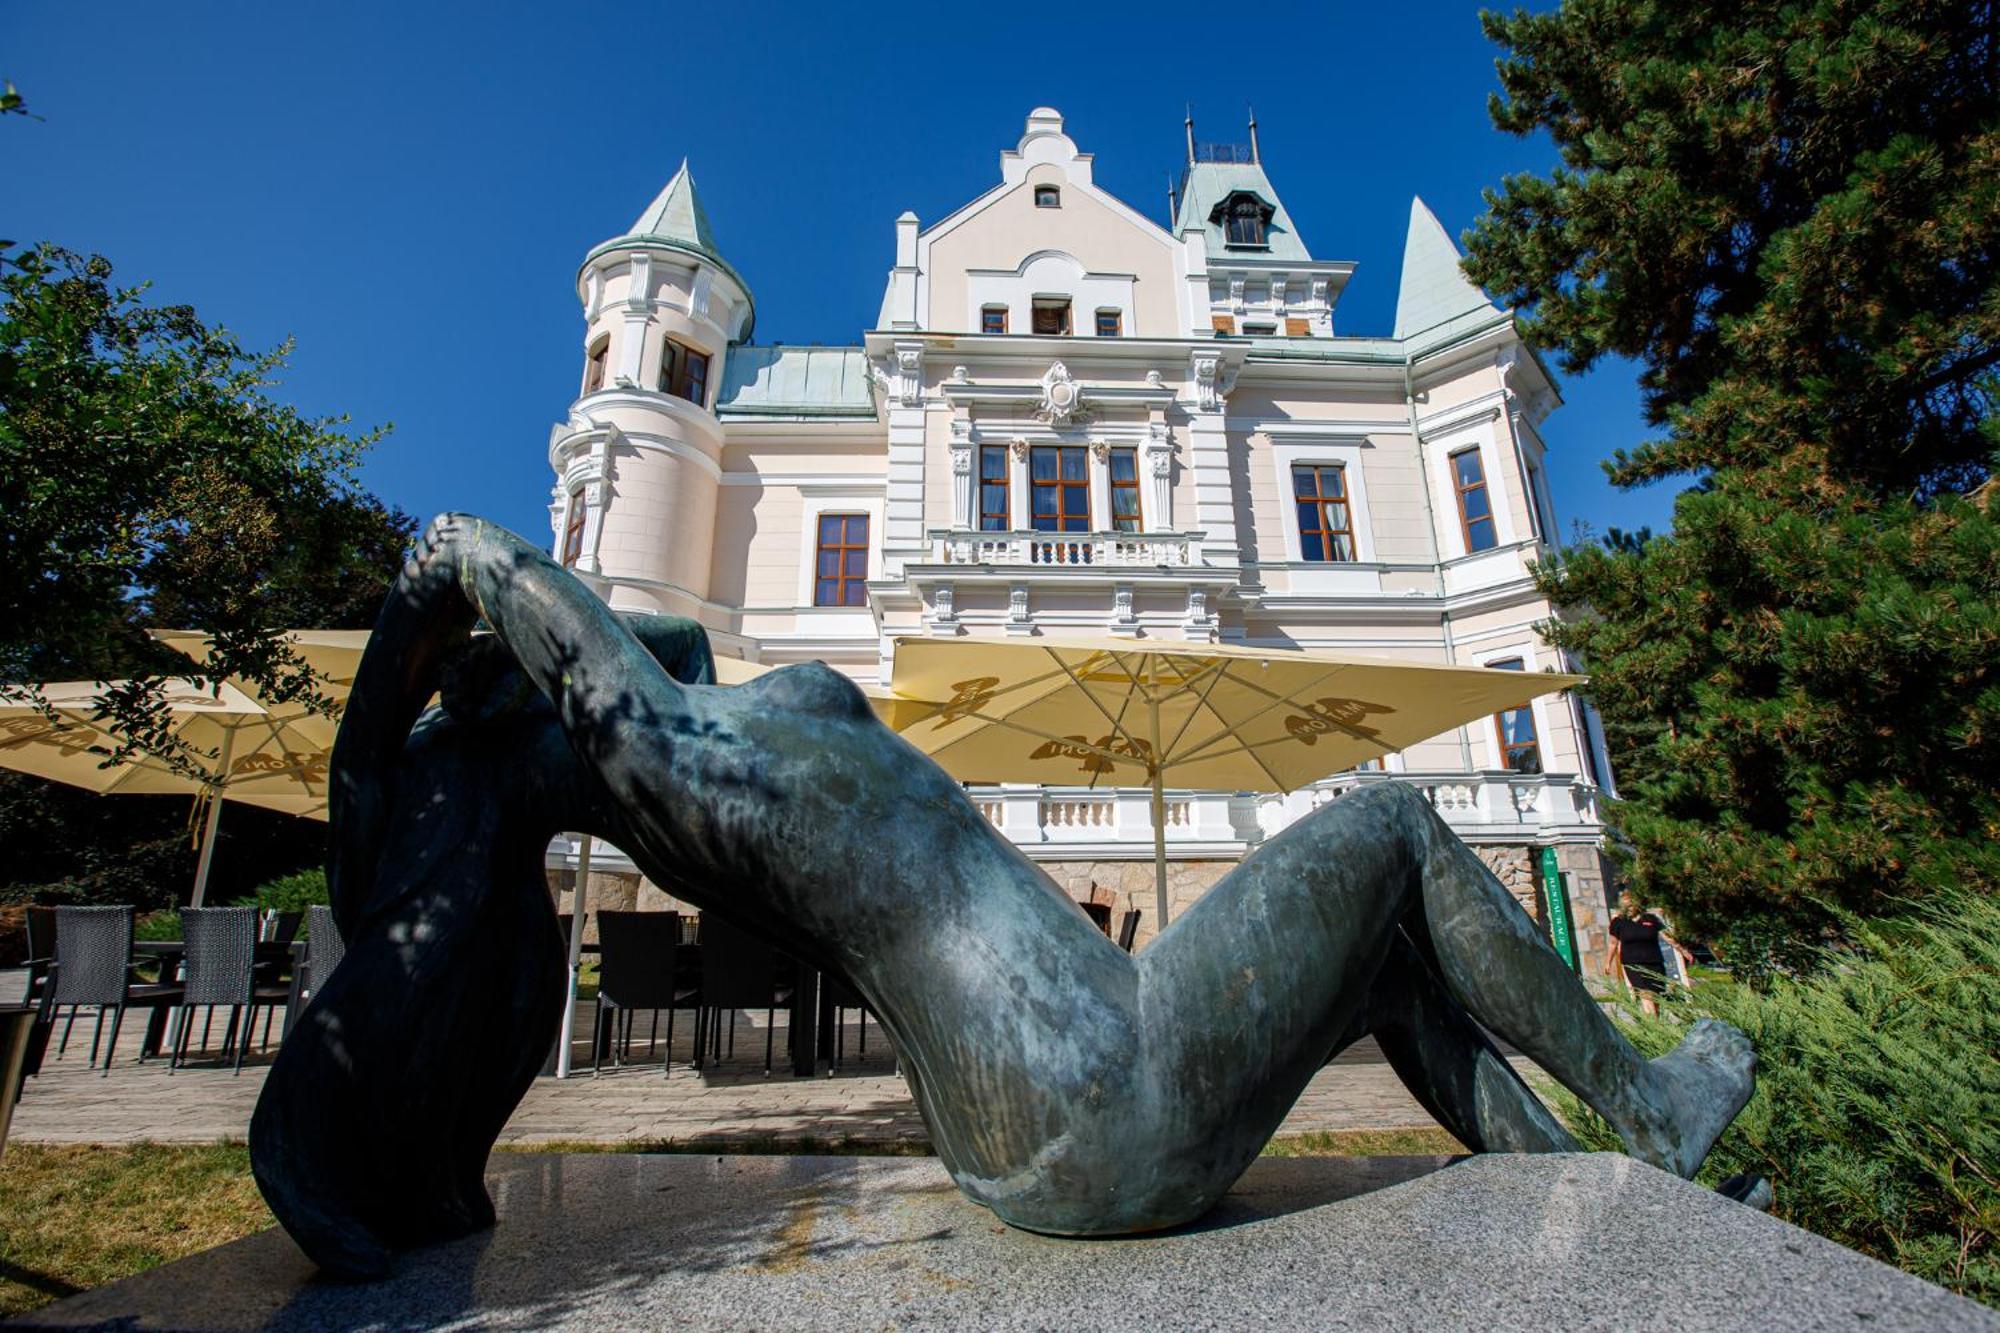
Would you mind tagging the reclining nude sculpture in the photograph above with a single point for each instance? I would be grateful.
(1069, 1087)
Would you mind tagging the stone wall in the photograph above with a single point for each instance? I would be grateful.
(1129, 884)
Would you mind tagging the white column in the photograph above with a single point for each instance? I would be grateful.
(964, 475)
(903, 515)
(1156, 465)
(1208, 458)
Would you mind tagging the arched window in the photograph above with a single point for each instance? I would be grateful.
(595, 364)
(1246, 221)
(1048, 196)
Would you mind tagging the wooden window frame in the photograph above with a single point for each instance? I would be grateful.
(1224, 325)
(1061, 488)
(1319, 500)
(1460, 491)
(1053, 193)
(1060, 304)
(1531, 746)
(1297, 328)
(1137, 517)
(678, 374)
(1004, 482)
(597, 365)
(573, 525)
(986, 315)
(840, 578)
(1110, 323)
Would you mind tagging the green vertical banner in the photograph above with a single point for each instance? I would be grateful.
(1555, 906)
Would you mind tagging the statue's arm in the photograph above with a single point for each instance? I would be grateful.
(567, 641)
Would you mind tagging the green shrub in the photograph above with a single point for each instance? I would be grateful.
(290, 893)
(1877, 1113)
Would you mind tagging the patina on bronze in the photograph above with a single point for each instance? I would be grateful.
(1072, 1088)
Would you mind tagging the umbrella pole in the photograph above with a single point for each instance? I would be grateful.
(1160, 847)
(212, 822)
(575, 956)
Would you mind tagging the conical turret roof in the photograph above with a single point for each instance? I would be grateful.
(675, 220)
(1434, 288)
(677, 215)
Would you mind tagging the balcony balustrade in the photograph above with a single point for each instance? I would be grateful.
(1068, 550)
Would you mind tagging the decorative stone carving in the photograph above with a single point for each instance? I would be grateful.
(1020, 448)
(1062, 398)
(1210, 389)
(1100, 450)
(1278, 293)
(910, 375)
(958, 375)
(1153, 379)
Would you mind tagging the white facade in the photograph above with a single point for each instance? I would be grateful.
(1199, 380)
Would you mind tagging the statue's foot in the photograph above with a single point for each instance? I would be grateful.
(1702, 1084)
(1752, 1191)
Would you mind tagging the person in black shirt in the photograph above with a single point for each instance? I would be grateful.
(1636, 939)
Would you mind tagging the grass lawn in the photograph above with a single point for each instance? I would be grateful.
(72, 1218)
(77, 1217)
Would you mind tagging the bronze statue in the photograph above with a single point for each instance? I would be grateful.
(1068, 1086)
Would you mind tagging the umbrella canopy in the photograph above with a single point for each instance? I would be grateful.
(1217, 717)
(262, 758)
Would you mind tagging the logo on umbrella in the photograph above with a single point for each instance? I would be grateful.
(1093, 754)
(967, 698)
(69, 737)
(1328, 715)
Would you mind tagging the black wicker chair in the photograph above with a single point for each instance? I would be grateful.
(738, 971)
(636, 970)
(1128, 930)
(324, 949)
(93, 969)
(222, 973)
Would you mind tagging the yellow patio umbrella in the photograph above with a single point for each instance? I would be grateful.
(274, 759)
(1216, 717)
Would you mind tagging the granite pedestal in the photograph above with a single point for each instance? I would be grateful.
(614, 1241)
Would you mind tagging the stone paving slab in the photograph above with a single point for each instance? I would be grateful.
(867, 1102)
(621, 1241)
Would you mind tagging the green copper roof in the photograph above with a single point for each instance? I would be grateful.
(1207, 184)
(796, 382)
(677, 221)
(1434, 288)
(677, 215)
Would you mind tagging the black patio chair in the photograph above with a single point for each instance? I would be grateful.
(93, 969)
(1128, 930)
(1099, 914)
(636, 970)
(323, 951)
(738, 971)
(284, 927)
(221, 973)
(41, 949)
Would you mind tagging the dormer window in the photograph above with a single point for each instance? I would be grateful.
(1052, 315)
(1048, 196)
(1245, 220)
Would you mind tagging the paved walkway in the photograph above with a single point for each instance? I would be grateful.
(735, 1102)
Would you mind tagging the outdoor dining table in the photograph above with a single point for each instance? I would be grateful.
(169, 954)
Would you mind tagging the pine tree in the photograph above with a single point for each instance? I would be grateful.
(1788, 212)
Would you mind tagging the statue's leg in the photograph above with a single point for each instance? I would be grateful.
(1449, 1064)
(1668, 1111)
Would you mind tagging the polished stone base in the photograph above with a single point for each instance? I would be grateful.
(614, 1241)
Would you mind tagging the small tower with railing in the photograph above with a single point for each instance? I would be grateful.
(639, 459)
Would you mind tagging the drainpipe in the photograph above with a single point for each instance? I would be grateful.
(1437, 542)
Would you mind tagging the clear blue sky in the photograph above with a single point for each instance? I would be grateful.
(407, 189)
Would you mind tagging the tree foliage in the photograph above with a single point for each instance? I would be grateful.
(1877, 1112)
(1788, 213)
(148, 478)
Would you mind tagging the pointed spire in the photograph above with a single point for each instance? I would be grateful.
(1434, 288)
(677, 215)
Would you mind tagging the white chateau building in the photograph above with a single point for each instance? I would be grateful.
(1067, 419)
